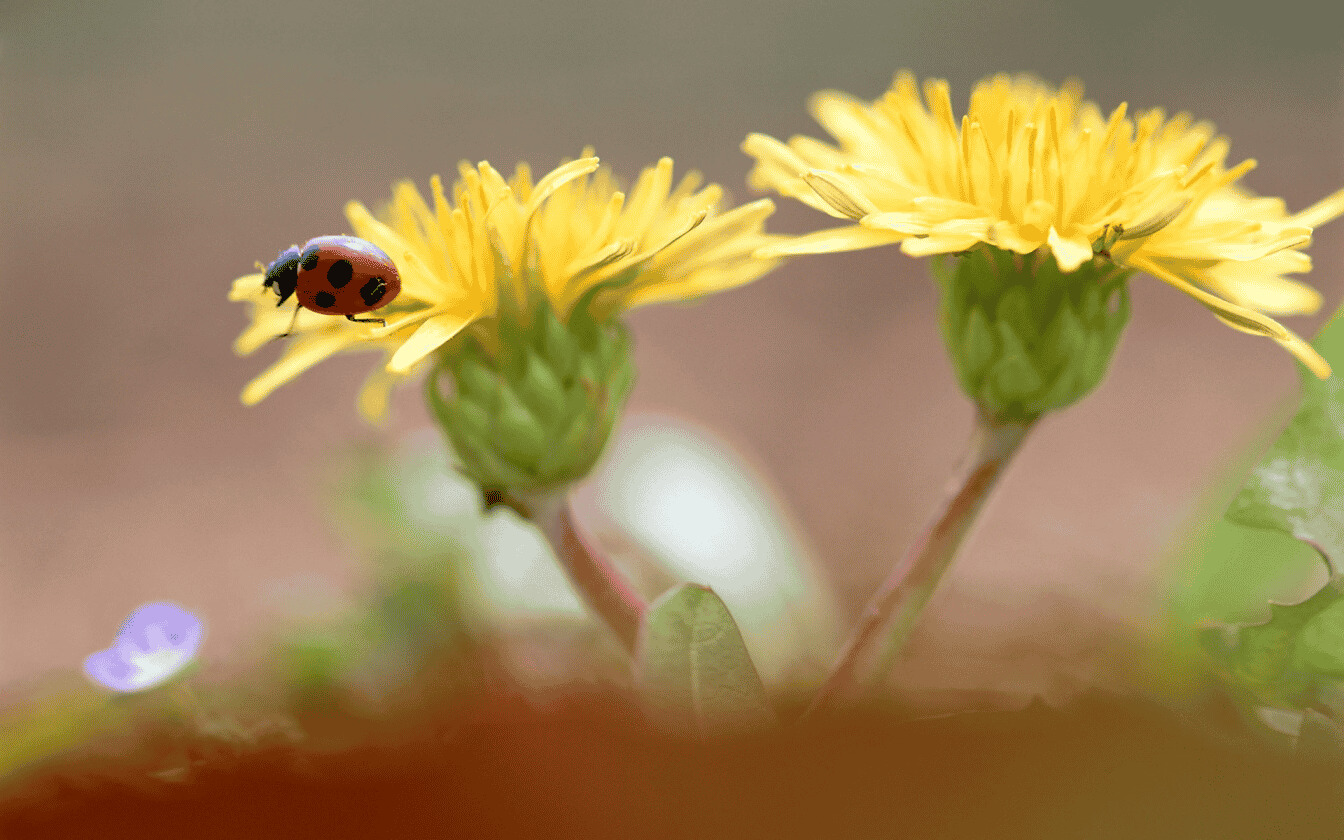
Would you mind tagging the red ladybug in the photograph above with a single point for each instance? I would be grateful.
(335, 275)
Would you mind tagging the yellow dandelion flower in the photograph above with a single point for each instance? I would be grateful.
(1030, 168)
(500, 244)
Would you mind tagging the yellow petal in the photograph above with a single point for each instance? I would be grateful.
(851, 238)
(926, 246)
(301, 354)
(247, 287)
(721, 277)
(1070, 252)
(376, 394)
(1247, 284)
(429, 337)
(1330, 207)
(1241, 318)
(905, 223)
(400, 323)
(843, 196)
(557, 179)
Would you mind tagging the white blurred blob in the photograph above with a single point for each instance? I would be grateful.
(682, 499)
(1286, 721)
(514, 577)
(518, 572)
(692, 504)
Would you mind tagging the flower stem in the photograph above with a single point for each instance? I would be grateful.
(603, 587)
(891, 615)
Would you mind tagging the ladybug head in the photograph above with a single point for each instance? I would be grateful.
(283, 274)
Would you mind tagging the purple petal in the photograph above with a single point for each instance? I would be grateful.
(154, 643)
(111, 671)
(161, 625)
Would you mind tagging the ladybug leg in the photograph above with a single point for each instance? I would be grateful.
(292, 322)
(381, 321)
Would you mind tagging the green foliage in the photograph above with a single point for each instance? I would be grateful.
(535, 414)
(1283, 661)
(1295, 659)
(1024, 337)
(1299, 486)
(59, 721)
(693, 669)
(1291, 501)
(405, 510)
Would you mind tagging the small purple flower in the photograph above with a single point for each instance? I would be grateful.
(156, 642)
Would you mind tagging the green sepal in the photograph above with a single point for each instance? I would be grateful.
(1024, 337)
(543, 389)
(474, 378)
(518, 430)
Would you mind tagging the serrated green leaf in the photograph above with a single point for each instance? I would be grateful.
(693, 669)
(1298, 488)
(1275, 659)
(1320, 645)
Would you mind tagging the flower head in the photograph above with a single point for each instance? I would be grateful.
(496, 247)
(1030, 168)
(156, 642)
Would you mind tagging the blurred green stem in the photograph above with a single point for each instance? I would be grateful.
(893, 612)
(603, 587)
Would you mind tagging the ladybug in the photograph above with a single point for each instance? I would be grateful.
(335, 275)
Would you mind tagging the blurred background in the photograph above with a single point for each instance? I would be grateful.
(152, 151)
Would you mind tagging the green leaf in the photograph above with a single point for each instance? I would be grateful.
(1298, 488)
(1271, 658)
(517, 433)
(1320, 645)
(1292, 501)
(693, 669)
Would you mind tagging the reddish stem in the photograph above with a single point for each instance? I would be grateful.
(603, 587)
(890, 617)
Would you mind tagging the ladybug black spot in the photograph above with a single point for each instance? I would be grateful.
(373, 291)
(326, 300)
(340, 273)
(309, 258)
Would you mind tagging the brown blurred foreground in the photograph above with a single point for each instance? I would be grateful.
(587, 766)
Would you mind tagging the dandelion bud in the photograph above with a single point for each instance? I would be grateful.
(535, 414)
(1024, 337)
